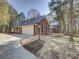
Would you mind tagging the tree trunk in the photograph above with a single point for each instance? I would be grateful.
(0, 28)
(71, 18)
(62, 30)
(61, 21)
(10, 28)
(63, 24)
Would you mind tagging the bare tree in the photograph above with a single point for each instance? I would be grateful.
(32, 13)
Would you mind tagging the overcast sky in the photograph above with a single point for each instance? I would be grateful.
(26, 5)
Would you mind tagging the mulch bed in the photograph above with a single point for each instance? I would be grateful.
(34, 46)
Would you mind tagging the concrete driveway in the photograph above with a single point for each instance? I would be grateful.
(10, 47)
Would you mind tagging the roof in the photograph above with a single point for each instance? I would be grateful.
(54, 26)
(54, 23)
(32, 21)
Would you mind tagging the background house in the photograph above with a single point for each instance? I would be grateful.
(54, 27)
(34, 26)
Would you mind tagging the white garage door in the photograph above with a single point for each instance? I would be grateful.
(28, 29)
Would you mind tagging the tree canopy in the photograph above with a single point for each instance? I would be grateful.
(8, 16)
(4, 15)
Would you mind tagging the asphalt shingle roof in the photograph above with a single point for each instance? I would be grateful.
(32, 21)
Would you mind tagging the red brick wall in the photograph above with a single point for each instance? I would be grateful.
(45, 25)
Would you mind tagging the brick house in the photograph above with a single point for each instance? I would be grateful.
(34, 26)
